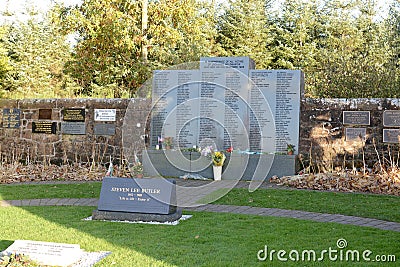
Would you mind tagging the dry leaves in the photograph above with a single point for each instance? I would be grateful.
(16, 172)
(382, 183)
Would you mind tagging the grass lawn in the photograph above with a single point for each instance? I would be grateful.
(206, 239)
(363, 205)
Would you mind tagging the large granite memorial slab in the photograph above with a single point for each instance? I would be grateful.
(47, 253)
(137, 200)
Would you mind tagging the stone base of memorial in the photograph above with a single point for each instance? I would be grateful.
(144, 200)
(236, 167)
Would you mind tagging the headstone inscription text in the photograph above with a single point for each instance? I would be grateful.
(152, 195)
(391, 118)
(11, 118)
(47, 253)
(46, 127)
(74, 114)
(356, 117)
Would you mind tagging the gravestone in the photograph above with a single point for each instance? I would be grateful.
(137, 200)
(47, 253)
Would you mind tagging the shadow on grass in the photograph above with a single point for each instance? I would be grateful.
(207, 239)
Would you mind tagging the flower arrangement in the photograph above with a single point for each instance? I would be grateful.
(290, 149)
(218, 158)
(168, 142)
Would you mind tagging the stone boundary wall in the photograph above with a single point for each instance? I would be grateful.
(323, 138)
(322, 132)
(23, 145)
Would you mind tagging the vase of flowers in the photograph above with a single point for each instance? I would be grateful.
(218, 159)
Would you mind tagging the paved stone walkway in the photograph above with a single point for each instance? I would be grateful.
(190, 191)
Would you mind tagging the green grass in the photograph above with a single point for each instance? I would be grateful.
(206, 239)
(363, 205)
(74, 190)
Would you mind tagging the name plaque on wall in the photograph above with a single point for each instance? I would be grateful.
(391, 118)
(74, 114)
(355, 134)
(356, 117)
(104, 129)
(105, 114)
(391, 136)
(11, 118)
(45, 114)
(46, 127)
(73, 128)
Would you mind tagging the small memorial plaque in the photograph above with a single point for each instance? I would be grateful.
(105, 114)
(73, 128)
(45, 114)
(156, 196)
(11, 118)
(391, 118)
(356, 117)
(74, 114)
(46, 127)
(391, 136)
(104, 129)
(356, 134)
(47, 253)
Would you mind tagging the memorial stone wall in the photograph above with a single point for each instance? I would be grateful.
(227, 103)
(333, 131)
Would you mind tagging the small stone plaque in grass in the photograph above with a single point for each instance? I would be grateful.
(47, 253)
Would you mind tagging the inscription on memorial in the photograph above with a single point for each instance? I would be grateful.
(104, 129)
(391, 118)
(137, 195)
(356, 117)
(105, 114)
(227, 104)
(74, 114)
(73, 128)
(391, 136)
(11, 118)
(355, 134)
(45, 127)
(47, 253)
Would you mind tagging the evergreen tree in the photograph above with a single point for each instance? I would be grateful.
(244, 30)
(37, 54)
